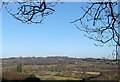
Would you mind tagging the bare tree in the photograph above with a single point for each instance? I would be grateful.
(100, 21)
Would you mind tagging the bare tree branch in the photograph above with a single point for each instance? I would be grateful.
(30, 12)
(102, 22)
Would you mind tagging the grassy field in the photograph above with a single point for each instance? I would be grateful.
(49, 77)
(63, 71)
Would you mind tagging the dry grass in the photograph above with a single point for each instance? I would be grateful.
(49, 77)
(11, 75)
(93, 73)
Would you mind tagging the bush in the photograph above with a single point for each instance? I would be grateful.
(32, 76)
(19, 68)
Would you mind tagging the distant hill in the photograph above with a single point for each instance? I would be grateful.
(52, 60)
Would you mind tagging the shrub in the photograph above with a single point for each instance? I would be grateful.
(19, 68)
(32, 76)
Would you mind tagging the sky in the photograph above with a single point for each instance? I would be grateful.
(55, 37)
(0, 33)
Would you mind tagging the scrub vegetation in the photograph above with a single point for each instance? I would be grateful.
(59, 68)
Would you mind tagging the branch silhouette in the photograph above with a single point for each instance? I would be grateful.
(30, 12)
(101, 22)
